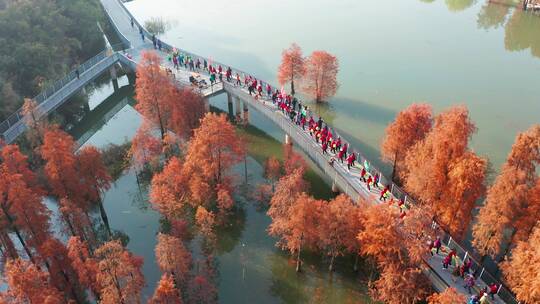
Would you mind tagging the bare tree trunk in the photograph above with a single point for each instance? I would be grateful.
(331, 267)
(18, 233)
(355, 267)
(104, 217)
(8, 245)
(298, 262)
(394, 168)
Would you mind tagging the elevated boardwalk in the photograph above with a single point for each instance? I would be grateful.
(348, 181)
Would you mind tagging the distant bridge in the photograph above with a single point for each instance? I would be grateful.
(347, 181)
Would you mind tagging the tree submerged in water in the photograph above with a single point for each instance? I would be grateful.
(156, 25)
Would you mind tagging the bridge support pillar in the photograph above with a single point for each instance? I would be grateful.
(335, 188)
(113, 72)
(237, 116)
(207, 105)
(131, 78)
(230, 106)
(245, 113)
(115, 85)
(288, 140)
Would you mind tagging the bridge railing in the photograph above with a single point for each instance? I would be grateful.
(55, 87)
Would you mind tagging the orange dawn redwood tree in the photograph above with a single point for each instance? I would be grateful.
(301, 228)
(410, 126)
(513, 201)
(169, 192)
(21, 205)
(166, 292)
(337, 227)
(36, 126)
(320, 80)
(119, 275)
(401, 285)
(84, 265)
(292, 66)
(449, 296)
(153, 91)
(213, 150)
(272, 170)
(173, 258)
(444, 174)
(95, 179)
(187, 108)
(287, 191)
(145, 148)
(521, 270)
(385, 239)
(28, 284)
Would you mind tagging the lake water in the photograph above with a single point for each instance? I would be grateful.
(391, 54)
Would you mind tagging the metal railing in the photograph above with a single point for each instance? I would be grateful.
(316, 155)
(54, 88)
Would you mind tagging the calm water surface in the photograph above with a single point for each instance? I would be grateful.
(391, 53)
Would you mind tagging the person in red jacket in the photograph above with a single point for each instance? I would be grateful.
(368, 182)
(350, 160)
(493, 289)
(383, 194)
(363, 175)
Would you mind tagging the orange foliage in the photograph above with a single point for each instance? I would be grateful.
(145, 147)
(214, 148)
(513, 202)
(320, 81)
(521, 271)
(401, 285)
(338, 228)
(22, 198)
(292, 160)
(206, 221)
(301, 228)
(225, 202)
(201, 290)
(166, 292)
(173, 257)
(61, 167)
(437, 172)
(288, 189)
(85, 266)
(292, 66)
(410, 126)
(119, 274)
(525, 153)
(153, 91)
(55, 255)
(187, 108)
(93, 173)
(380, 236)
(272, 169)
(36, 126)
(168, 191)
(28, 284)
(448, 296)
